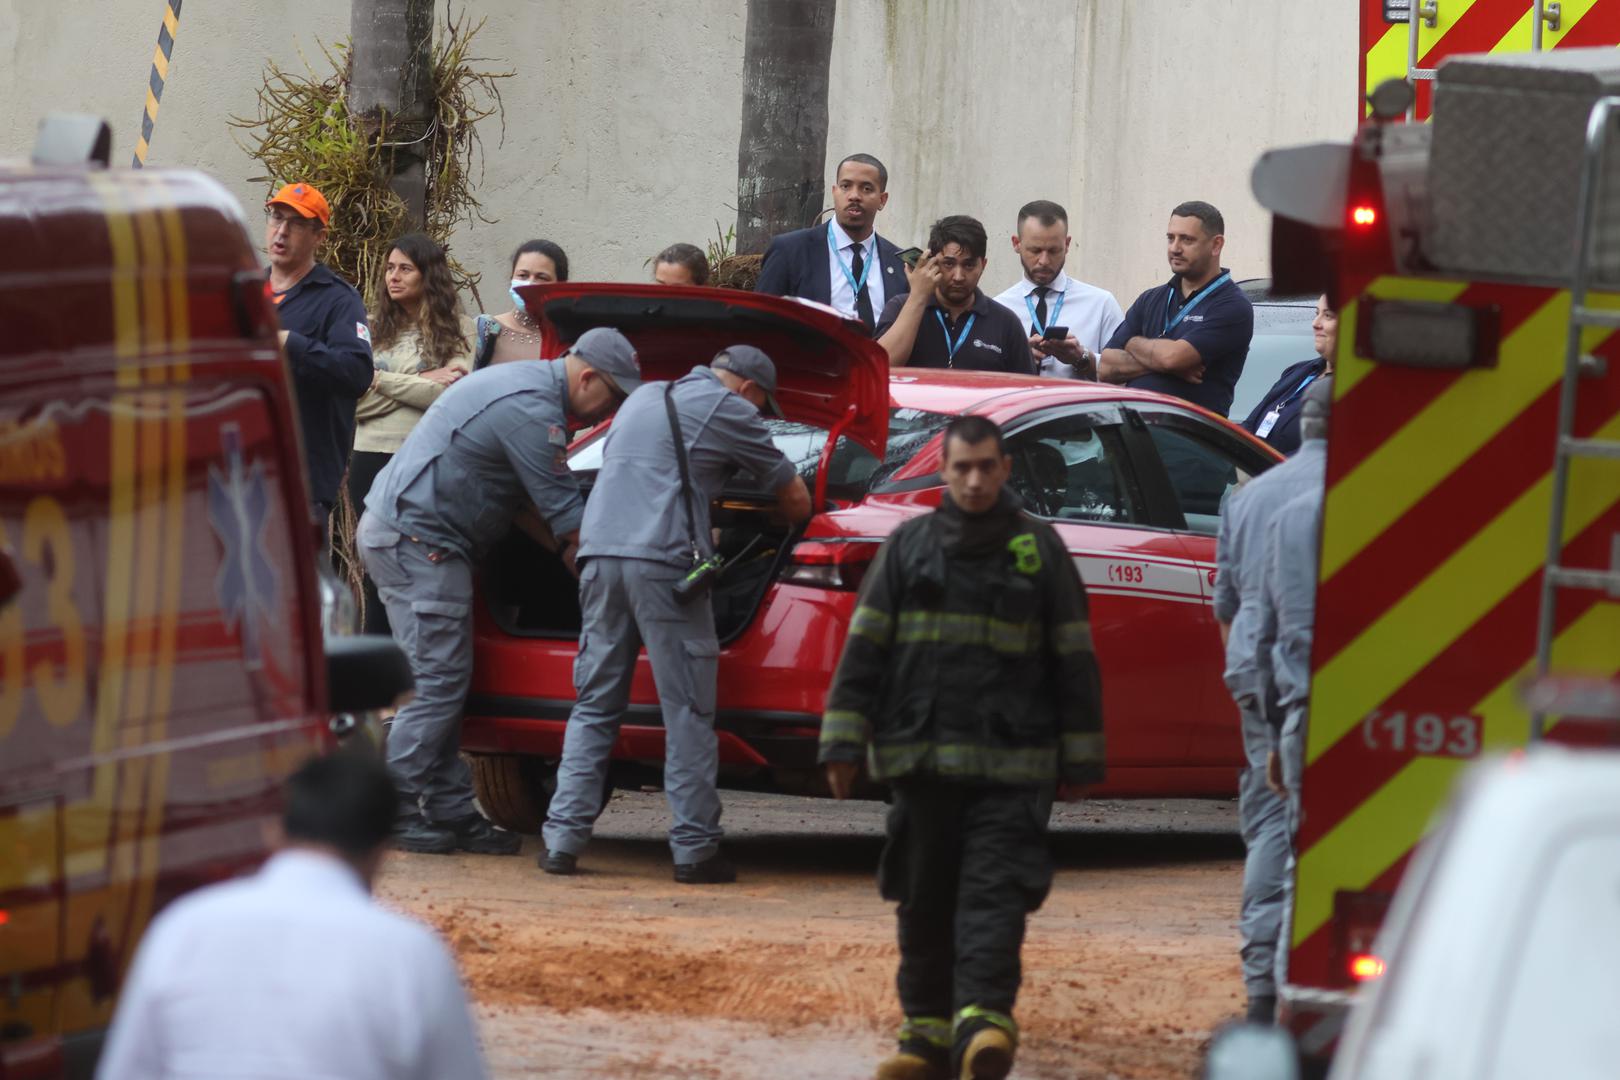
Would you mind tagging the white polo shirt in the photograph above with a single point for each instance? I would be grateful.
(1091, 314)
(839, 262)
(294, 971)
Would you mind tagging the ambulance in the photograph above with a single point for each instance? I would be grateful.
(163, 664)
(1471, 532)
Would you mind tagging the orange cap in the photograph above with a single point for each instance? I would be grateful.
(304, 199)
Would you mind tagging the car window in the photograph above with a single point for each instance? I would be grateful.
(1203, 466)
(1072, 469)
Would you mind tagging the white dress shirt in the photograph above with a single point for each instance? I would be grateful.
(293, 972)
(839, 262)
(1091, 314)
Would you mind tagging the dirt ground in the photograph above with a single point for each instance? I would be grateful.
(619, 972)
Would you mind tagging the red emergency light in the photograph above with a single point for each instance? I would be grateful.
(1365, 967)
(1364, 217)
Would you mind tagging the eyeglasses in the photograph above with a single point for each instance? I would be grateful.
(289, 221)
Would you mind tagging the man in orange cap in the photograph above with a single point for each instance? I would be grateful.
(324, 335)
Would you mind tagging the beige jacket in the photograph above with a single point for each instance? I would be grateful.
(396, 401)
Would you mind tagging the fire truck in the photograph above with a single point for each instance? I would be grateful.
(1471, 532)
(164, 655)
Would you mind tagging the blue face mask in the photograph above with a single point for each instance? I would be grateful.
(517, 301)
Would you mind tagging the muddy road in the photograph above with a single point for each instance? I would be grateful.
(619, 972)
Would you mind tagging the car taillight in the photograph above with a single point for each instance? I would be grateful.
(830, 564)
(1357, 917)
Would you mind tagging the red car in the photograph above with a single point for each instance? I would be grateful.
(1133, 481)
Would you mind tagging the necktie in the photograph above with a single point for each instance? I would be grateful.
(1040, 305)
(863, 299)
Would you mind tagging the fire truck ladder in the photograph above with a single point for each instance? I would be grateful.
(1577, 366)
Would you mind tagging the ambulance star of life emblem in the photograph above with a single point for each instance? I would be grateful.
(238, 504)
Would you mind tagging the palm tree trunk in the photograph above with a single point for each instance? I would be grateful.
(391, 88)
(782, 156)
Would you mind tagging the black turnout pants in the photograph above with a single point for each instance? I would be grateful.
(967, 864)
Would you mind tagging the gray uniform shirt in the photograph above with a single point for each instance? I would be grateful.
(1240, 565)
(1290, 595)
(635, 508)
(493, 442)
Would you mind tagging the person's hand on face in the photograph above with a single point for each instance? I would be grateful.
(924, 277)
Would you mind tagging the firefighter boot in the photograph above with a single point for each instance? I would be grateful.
(476, 835)
(988, 1040)
(924, 1054)
(413, 832)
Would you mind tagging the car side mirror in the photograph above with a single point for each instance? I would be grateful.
(10, 582)
(365, 671)
(1252, 1052)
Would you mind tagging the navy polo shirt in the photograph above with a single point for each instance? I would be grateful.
(1219, 326)
(994, 342)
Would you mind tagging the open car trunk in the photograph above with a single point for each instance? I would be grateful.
(829, 376)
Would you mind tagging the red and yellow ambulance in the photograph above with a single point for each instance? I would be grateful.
(162, 665)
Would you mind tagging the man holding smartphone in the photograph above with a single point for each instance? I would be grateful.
(1067, 321)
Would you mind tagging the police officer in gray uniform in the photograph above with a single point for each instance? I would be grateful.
(1248, 627)
(490, 453)
(635, 548)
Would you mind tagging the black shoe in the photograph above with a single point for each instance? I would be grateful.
(418, 835)
(715, 870)
(559, 862)
(1262, 1009)
(475, 834)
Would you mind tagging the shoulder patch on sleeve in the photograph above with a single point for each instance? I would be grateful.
(362, 332)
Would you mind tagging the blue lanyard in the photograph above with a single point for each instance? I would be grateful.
(1057, 310)
(957, 344)
(855, 286)
(1171, 324)
(1298, 390)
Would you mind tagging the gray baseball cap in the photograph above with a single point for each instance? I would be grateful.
(750, 363)
(610, 353)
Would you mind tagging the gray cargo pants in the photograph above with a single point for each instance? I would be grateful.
(627, 603)
(1263, 820)
(428, 594)
(1291, 750)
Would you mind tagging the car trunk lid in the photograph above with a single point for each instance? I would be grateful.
(828, 374)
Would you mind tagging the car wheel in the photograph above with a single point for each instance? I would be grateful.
(513, 789)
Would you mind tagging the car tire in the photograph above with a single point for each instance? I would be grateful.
(514, 790)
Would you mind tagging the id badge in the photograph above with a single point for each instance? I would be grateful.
(1269, 422)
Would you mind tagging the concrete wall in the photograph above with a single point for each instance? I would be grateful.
(623, 119)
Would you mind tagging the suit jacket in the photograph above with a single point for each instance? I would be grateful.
(796, 264)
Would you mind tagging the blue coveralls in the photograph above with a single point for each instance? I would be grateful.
(633, 549)
(491, 445)
(1239, 582)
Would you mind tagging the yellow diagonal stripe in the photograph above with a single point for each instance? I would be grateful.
(151, 105)
(170, 21)
(160, 62)
(1349, 368)
(1448, 431)
(1573, 12)
(1386, 60)
(1379, 831)
(1427, 620)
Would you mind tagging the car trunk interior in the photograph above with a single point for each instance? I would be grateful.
(530, 592)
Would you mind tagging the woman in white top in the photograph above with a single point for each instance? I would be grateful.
(420, 345)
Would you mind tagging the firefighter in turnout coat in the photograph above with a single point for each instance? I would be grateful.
(968, 684)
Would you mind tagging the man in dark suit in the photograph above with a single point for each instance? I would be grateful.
(843, 263)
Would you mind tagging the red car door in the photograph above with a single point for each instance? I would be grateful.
(1189, 465)
(1072, 467)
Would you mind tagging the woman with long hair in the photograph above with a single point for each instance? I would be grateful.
(420, 345)
(514, 335)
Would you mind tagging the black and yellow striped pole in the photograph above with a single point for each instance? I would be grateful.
(160, 72)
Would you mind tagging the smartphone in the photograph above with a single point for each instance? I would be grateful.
(910, 256)
(1056, 333)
